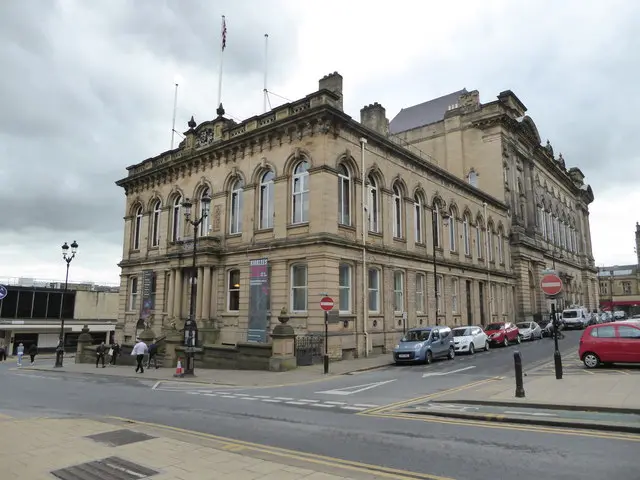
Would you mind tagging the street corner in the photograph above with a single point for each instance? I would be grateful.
(574, 366)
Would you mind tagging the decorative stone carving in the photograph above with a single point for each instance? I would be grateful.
(549, 148)
(192, 123)
(204, 138)
(217, 218)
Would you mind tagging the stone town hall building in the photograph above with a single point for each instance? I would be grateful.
(286, 216)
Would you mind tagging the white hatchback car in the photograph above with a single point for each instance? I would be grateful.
(469, 340)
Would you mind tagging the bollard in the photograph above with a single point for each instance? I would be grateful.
(326, 343)
(557, 357)
(517, 361)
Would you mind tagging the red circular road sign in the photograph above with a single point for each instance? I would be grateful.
(551, 284)
(326, 303)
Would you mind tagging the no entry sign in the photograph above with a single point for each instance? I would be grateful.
(326, 303)
(551, 284)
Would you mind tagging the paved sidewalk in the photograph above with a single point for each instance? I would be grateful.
(245, 378)
(591, 391)
(32, 448)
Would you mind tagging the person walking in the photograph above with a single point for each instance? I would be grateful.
(153, 352)
(100, 352)
(139, 349)
(33, 351)
(20, 353)
(115, 352)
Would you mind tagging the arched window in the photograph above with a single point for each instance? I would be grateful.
(490, 242)
(453, 234)
(500, 246)
(418, 216)
(479, 239)
(300, 193)
(397, 212)
(266, 200)
(466, 235)
(235, 214)
(473, 178)
(176, 217)
(374, 205)
(344, 195)
(437, 224)
(204, 212)
(155, 223)
(137, 225)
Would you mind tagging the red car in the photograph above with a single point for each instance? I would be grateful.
(617, 342)
(502, 333)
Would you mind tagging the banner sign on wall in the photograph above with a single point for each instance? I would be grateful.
(259, 304)
(147, 305)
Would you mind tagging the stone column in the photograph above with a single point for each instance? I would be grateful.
(84, 340)
(199, 290)
(170, 294)
(206, 293)
(283, 346)
(177, 294)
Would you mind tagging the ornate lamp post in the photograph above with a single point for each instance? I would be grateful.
(434, 228)
(190, 325)
(67, 258)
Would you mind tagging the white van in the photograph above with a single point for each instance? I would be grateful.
(575, 317)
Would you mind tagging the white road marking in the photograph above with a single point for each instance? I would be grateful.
(322, 405)
(358, 409)
(283, 398)
(440, 374)
(193, 393)
(249, 398)
(271, 400)
(297, 403)
(227, 396)
(365, 405)
(337, 403)
(535, 414)
(262, 396)
(205, 391)
(309, 401)
(156, 385)
(242, 394)
(210, 394)
(356, 388)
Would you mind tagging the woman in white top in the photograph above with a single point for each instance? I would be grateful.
(20, 352)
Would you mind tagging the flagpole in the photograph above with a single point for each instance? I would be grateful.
(175, 107)
(265, 91)
(223, 42)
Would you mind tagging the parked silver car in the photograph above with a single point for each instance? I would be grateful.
(529, 330)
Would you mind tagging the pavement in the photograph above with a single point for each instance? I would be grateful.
(307, 419)
(118, 450)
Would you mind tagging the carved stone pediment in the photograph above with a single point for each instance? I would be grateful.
(204, 138)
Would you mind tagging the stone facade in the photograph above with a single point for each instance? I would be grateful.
(620, 288)
(288, 186)
(497, 148)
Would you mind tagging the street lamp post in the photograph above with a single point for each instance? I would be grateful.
(611, 291)
(434, 228)
(67, 258)
(190, 325)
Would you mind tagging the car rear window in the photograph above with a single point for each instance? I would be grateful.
(603, 332)
(570, 314)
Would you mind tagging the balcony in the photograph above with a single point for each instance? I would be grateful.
(209, 244)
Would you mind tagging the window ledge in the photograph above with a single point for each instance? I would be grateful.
(234, 235)
(399, 239)
(346, 227)
(154, 248)
(375, 234)
(297, 225)
(232, 313)
(263, 230)
(420, 244)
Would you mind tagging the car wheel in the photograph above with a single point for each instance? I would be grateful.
(591, 360)
(452, 353)
(486, 346)
(505, 342)
(428, 358)
(472, 349)
(519, 339)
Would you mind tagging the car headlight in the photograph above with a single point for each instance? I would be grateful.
(418, 346)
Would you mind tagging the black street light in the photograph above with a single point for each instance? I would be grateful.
(67, 258)
(190, 325)
(434, 228)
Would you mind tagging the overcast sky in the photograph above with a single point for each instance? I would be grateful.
(86, 89)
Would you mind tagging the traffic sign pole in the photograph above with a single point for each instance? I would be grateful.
(326, 304)
(552, 286)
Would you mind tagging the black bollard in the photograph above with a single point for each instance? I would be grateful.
(517, 362)
(557, 357)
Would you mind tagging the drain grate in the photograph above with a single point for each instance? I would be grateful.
(112, 468)
(118, 438)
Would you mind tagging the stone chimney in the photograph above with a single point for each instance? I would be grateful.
(374, 116)
(332, 82)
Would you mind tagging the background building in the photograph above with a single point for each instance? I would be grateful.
(286, 226)
(32, 309)
(496, 148)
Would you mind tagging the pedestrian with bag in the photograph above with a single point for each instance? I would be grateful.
(153, 352)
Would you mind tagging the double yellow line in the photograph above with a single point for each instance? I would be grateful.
(233, 445)
(394, 406)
